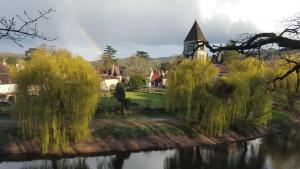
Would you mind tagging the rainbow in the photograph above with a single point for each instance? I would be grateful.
(90, 38)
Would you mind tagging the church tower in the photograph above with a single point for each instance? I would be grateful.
(194, 39)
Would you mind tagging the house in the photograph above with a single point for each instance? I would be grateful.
(110, 76)
(7, 88)
(223, 69)
(158, 78)
(109, 82)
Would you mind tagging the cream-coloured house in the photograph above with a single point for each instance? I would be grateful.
(7, 88)
(110, 77)
(109, 83)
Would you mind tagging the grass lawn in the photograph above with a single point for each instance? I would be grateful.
(142, 99)
(8, 125)
(147, 100)
(6, 108)
(108, 104)
(132, 128)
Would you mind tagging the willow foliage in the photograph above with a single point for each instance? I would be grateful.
(187, 89)
(251, 101)
(57, 96)
(286, 92)
(215, 103)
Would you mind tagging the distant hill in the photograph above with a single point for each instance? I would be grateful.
(10, 54)
(153, 61)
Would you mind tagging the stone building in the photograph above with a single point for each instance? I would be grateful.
(194, 39)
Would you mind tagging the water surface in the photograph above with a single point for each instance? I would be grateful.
(280, 151)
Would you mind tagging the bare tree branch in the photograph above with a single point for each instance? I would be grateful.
(26, 26)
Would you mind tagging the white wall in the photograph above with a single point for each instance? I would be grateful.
(7, 88)
(107, 84)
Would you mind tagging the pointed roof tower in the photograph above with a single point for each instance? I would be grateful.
(195, 34)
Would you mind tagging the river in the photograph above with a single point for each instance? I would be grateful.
(280, 151)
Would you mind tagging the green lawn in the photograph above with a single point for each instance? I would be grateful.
(129, 132)
(147, 100)
(108, 104)
(141, 99)
(6, 108)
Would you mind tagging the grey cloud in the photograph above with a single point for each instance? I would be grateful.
(220, 28)
(146, 24)
(138, 21)
(152, 22)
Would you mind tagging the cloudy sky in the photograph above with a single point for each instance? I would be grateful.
(159, 27)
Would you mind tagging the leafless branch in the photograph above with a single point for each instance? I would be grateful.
(18, 28)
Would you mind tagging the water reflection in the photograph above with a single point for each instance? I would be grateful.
(108, 162)
(230, 156)
(280, 151)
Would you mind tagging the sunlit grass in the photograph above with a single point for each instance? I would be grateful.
(147, 100)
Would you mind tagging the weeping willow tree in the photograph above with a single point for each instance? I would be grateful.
(286, 92)
(213, 103)
(57, 96)
(250, 100)
(188, 85)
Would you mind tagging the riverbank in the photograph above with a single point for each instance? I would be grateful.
(138, 133)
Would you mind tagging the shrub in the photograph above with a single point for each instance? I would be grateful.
(120, 95)
(136, 82)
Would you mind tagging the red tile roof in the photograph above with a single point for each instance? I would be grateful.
(155, 76)
(222, 68)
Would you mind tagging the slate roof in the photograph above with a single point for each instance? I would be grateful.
(195, 34)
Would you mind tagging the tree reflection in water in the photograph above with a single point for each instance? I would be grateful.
(279, 151)
(109, 162)
(227, 156)
(115, 162)
(79, 163)
(284, 149)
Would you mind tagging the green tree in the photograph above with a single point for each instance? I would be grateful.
(108, 57)
(57, 96)
(11, 60)
(286, 93)
(120, 95)
(213, 103)
(186, 89)
(230, 56)
(29, 53)
(142, 54)
(165, 66)
(136, 82)
(137, 66)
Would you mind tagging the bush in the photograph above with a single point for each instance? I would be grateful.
(136, 82)
(120, 95)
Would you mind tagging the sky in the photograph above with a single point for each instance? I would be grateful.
(158, 27)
